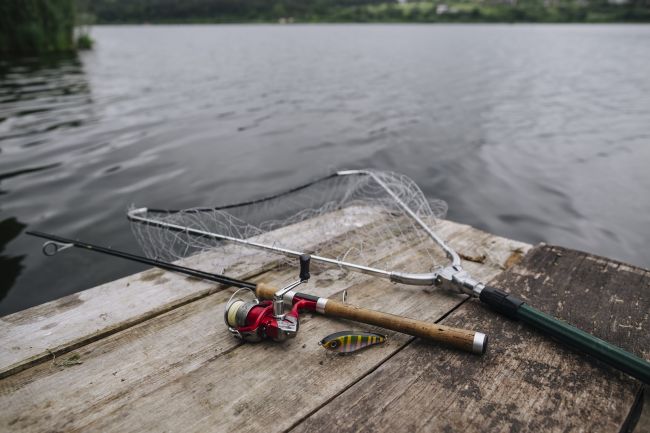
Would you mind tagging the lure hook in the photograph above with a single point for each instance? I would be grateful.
(51, 248)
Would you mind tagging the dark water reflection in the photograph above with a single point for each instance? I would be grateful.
(539, 133)
(11, 265)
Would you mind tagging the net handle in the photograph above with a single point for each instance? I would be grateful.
(139, 215)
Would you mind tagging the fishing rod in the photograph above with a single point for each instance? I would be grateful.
(58, 243)
(400, 206)
(265, 316)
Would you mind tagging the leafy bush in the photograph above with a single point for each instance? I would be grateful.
(36, 26)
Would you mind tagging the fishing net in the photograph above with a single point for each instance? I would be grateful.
(354, 220)
(371, 222)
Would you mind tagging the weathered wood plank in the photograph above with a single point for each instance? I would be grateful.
(183, 371)
(526, 382)
(643, 425)
(32, 335)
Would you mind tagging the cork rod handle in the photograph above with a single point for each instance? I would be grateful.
(463, 339)
(459, 338)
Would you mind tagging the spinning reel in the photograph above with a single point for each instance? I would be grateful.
(255, 320)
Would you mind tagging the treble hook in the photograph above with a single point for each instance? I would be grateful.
(50, 248)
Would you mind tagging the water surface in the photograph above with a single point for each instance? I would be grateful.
(533, 132)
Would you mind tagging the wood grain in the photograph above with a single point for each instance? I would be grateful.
(33, 335)
(182, 371)
(525, 382)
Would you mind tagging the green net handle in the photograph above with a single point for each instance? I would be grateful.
(571, 336)
(585, 342)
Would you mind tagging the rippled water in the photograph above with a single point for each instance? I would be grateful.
(538, 133)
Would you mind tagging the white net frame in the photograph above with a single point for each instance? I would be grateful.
(356, 220)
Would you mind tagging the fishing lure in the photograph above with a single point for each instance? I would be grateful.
(351, 341)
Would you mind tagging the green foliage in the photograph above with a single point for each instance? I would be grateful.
(161, 11)
(138, 11)
(84, 42)
(36, 26)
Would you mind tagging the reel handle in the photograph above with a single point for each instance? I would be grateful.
(471, 341)
(304, 267)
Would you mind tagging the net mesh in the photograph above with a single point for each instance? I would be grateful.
(351, 218)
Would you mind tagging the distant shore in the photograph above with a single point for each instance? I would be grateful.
(297, 22)
(373, 11)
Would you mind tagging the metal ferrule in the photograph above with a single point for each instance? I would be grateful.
(469, 285)
(320, 305)
(479, 346)
(455, 278)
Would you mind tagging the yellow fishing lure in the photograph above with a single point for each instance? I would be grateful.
(351, 341)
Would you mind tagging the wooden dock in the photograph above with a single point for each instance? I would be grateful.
(150, 352)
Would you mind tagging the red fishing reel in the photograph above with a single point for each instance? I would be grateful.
(254, 320)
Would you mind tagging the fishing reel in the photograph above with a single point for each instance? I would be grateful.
(254, 320)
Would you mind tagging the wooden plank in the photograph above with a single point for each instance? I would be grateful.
(182, 370)
(526, 382)
(33, 335)
(643, 425)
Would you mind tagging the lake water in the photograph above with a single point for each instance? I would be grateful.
(533, 132)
